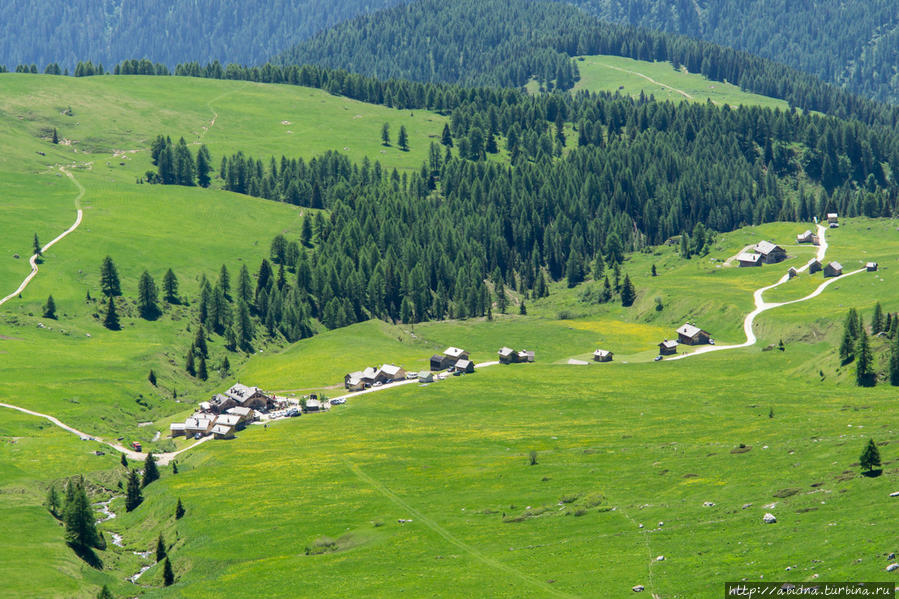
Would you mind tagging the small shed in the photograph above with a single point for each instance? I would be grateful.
(690, 334)
(814, 265)
(806, 237)
(832, 218)
(792, 272)
(871, 266)
(466, 366)
(667, 347)
(833, 269)
(749, 259)
(314, 405)
(440, 362)
(353, 382)
(177, 429)
(425, 377)
(526, 355)
(507, 355)
(390, 372)
(602, 355)
(454, 354)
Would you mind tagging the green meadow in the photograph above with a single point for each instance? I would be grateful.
(660, 79)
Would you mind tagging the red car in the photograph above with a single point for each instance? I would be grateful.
(135, 445)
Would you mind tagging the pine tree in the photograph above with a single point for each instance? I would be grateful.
(202, 373)
(151, 472)
(894, 362)
(109, 278)
(385, 134)
(654, 273)
(53, 501)
(864, 364)
(152, 377)
(160, 548)
(501, 300)
(684, 246)
(170, 287)
(446, 137)
(244, 285)
(111, 321)
(200, 342)
(55, 136)
(403, 139)
(147, 297)
(226, 366)
(522, 309)
(179, 510)
(105, 593)
(36, 247)
(847, 345)
(628, 293)
(189, 365)
(50, 308)
(79, 519)
(174, 467)
(168, 576)
(870, 458)
(133, 496)
(124, 460)
(204, 166)
(877, 320)
(599, 266)
(224, 282)
(245, 332)
(231, 339)
(306, 232)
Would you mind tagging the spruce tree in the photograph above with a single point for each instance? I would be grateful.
(50, 308)
(224, 282)
(147, 297)
(522, 309)
(200, 342)
(654, 273)
(174, 467)
(226, 366)
(864, 363)
(306, 232)
(124, 460)
(179, 510)
(385, 134)
(55, 136)
(189, 364)
(53, 501)
(894, 362)
(109, 278)
(133, 496)
(628, 293)
(599, 266)
(170, 287)
(111, 321)
(202, 373)
(870, 458)
(244, 285)
(877, 319)
(204, 166)
(160, 548)
(402, 139)
(105, 593)
(151, 472)
(36, 247)
(168, 576)
(152, 377)
(79, 519)
(847, 345)
(501, 301)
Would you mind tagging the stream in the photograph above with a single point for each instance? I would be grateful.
(108, 514)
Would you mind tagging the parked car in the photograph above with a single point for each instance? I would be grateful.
(198, 436)
(338, 401)
(291, 412)
(711, 342)
(135, 445)
(657, 358)
(378, 384)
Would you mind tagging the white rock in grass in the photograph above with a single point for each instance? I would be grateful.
(637, 589)
(769, 518)
(892, 567)
(661, 558)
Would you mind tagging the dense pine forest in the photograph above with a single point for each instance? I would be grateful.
(854, 44)
(43, 32)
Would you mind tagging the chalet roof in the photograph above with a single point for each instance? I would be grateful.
(506, 351)
(218, 398)
(602, 353)
(747, 257)
(222, 429)
(390, 369)
(438, 357)
(689, 330)
(814, 261)
(199, 423)
(239, 411)
(369, 373)
(792, 270)
(871, 265)
(453, 352)
(836, 265)
(313, 403)
(766, 247)
(526, 355)
(240, 393)
(177, 426)
(803, 236)
(831, 215)
(463, 363)
(668, 344)
(228, 419)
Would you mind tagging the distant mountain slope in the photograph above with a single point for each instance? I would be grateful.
(854, 43)
(495, 42)
(167, 31)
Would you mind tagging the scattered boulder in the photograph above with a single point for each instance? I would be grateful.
(769, 518)
(747, 506)
(661, 558)
(638, 588)
(893, 566)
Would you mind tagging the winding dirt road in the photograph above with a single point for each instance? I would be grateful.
(34, 258)
(762, 306)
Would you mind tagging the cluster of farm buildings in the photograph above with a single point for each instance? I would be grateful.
(231, 411)
(453, 360)
(688, 334)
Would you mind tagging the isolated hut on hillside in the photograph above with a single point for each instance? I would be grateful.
(832, 220)
(526, 355)
(770, 252)
(792, 272)
(507, 355)
(806, 237)
(814, 265)
(833, 269)
(440, 362)
(871, 266)
(465, 366)
(690, 334)
(602, 355)
(667, 347)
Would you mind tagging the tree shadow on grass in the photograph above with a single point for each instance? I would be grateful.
(873, 473)
(88, 555)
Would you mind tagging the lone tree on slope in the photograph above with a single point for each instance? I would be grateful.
(36, 247)
(109, 278)
(151, 472)
(111, 321)
(50, 308)
(133, 496)
(870, 458)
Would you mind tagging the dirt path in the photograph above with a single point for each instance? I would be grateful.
(498, 566)
(34, 258)
(762, 306)
(651, 80)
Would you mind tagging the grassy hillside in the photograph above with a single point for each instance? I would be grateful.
(661, 80)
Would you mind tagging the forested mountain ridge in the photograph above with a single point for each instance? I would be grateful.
(853, 43)
(166, 31)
